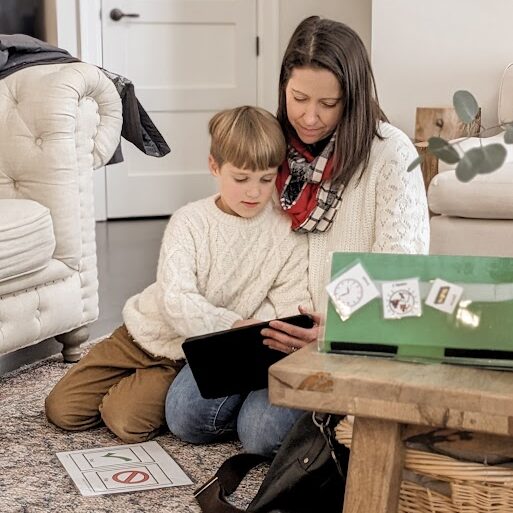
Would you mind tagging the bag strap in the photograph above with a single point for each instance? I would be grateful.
(326, 423)
(212, 495)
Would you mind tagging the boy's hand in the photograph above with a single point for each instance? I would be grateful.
(289, 338)
(245, 322)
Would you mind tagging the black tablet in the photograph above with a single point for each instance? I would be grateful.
(234, 361)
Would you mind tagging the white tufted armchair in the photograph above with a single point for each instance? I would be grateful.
(58, 122)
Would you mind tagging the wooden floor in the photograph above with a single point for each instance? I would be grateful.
(127, 258)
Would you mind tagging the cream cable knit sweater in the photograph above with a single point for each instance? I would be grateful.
(214, 269)
(385, 212)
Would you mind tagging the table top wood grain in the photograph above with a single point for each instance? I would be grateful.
(441, 395)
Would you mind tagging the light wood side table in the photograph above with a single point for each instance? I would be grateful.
(442, 122)
(384, 395)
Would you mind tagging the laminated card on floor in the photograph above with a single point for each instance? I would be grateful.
(122, 468)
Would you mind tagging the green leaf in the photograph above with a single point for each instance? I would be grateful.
(494, 157)
(443, 150)
(508, 135)
(467, 166)
(415, 163)
(465, 105)
(480, 161)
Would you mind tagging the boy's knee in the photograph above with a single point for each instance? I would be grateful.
(127, 422)
(59, 413)
(123, 432)
(117, 423)
(54, 412)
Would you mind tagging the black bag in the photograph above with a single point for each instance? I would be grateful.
(307, 474)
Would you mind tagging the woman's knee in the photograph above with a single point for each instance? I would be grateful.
(261, 426)
(179, 410)
(253, 442)
(186, 429)
(194, 419)
(184, 420)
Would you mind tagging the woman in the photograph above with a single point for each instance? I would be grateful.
(359, 197)
(344, 184)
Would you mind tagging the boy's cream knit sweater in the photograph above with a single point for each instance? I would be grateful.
(214, 269)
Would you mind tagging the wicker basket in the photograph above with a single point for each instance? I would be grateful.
(472, 487)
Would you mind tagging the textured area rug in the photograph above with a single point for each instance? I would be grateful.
(32, 480)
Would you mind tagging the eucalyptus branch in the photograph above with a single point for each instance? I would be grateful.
(484, 159)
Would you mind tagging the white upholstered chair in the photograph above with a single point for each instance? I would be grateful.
(58, 122)
(476, 218)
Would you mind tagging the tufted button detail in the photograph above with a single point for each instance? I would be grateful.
(39, 141)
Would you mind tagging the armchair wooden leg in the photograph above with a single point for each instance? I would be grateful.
(71, 342)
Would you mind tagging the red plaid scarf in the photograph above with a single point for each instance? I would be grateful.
(305, 188)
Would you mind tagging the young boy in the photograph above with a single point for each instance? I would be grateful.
(225, 261)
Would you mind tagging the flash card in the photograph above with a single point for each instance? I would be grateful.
(122, 468)
(444, 296)
(401, 299)
(351, 290)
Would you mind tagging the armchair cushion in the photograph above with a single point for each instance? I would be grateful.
(487, 196)
(478, 237)
(26, 238)
(466, 143)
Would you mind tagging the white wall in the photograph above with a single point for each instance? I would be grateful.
(355, 13)
(422, 52)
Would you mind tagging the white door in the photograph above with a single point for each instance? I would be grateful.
(187, 59)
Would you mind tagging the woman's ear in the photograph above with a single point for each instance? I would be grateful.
(213, 165)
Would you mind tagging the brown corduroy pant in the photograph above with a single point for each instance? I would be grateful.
(117, 383)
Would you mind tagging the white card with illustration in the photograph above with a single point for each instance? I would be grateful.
(401, 299)
(444, 296)
(351, 290)
(122, 468)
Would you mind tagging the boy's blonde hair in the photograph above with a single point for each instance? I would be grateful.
(248, 138)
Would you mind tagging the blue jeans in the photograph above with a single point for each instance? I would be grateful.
(260, 426)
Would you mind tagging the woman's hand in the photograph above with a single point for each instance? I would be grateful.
(289, 338)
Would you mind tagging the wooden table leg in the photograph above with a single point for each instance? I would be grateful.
(375, 467)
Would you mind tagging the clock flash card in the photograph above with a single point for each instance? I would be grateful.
(122, 468)
(351, 290)
(401, 299)
(444, 296)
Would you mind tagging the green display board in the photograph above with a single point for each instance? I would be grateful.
(478, 332)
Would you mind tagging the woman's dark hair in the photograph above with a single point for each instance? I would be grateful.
(331, 45)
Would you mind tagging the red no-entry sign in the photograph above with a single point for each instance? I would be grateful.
(131, 477)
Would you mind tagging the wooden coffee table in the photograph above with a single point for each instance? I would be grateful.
(384, 395)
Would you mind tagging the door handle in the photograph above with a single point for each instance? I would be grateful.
(117, 14)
